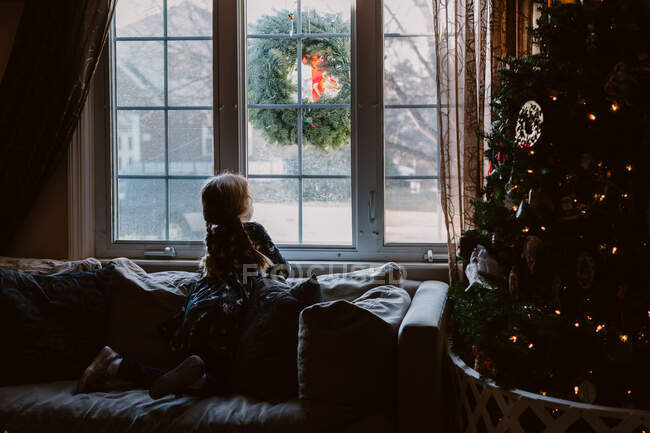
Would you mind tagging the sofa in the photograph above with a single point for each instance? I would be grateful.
(417, 381)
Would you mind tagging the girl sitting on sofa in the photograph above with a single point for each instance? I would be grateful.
(205, 332)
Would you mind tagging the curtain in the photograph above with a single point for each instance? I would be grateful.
(42, 93)
(463, 63)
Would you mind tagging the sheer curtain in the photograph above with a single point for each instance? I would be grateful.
(464, 51)
(54, 56)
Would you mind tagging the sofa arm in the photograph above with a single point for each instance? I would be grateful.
(421, 360)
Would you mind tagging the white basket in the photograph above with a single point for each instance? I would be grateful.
(483, 407)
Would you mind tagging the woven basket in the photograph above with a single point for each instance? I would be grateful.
(483, 407)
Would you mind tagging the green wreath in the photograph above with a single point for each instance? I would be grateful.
(273, 61)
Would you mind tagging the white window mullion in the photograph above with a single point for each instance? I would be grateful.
(368, 127)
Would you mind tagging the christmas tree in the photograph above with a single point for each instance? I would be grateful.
(559, 301)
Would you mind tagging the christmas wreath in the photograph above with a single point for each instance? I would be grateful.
(271, 66)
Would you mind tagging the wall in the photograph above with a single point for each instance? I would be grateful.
(44, 234)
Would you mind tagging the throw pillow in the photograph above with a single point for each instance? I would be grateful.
(140, 304)
(351, 285)
(347, 354)
(265, 362)
(49, 266)
(51, 327)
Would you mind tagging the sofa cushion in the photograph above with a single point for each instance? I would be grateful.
(351, 285)
(49, 266)
(51, 327)
(265, 363)
(52, 407)
(141, 302)
(347, 355)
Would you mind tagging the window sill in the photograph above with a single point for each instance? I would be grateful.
(418, 271)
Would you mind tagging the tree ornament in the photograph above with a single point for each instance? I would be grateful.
(529, 252)
(272, 63)
(587, 392)
(292, 17)
(568, 208)
(513, 284)
(621, 84)
(591, 6)
(540, 201)
(556, 288)
(523, 211)
(529, 125)
(591, 42)
(480, 364)
(585, 270)
(481, 264)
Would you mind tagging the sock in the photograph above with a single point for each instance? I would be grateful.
(113, 367)
(199, 384)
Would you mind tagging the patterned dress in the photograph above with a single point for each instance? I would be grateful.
(209, 324)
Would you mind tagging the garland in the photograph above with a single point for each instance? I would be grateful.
(272, 64)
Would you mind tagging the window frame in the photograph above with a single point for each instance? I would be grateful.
(230, 126)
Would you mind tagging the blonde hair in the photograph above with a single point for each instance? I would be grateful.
(226, 201)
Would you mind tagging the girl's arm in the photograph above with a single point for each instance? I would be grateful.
(265, 245)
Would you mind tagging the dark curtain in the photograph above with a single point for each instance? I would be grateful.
(55, 54)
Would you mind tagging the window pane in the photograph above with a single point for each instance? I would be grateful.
(191, 142)
(139, 18)
(140, 142)
(170, 135)
(325, 70)
(276, 208)
(411, 140)
(185, 211)
(316, 160)
(141, 209)
(413, 212)
(288, 143)
(408, 16)
(272, 150)
(139, 73)
(190, 73)
(189, 17)
(265, 85)
(332, 16)
(409, 70)
(412, 208)
(327, 211)
(326, 146)
(271, 16)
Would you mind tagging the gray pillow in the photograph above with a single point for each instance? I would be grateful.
(141, 302)
(265, 363)
(49, 266)
(347, 354)
(351, 285)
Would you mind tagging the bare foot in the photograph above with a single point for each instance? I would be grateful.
(178, 379)
(96, 371)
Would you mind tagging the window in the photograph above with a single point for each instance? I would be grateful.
(411, 187)
(162, 106)
(334, 121)
(299, 136)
